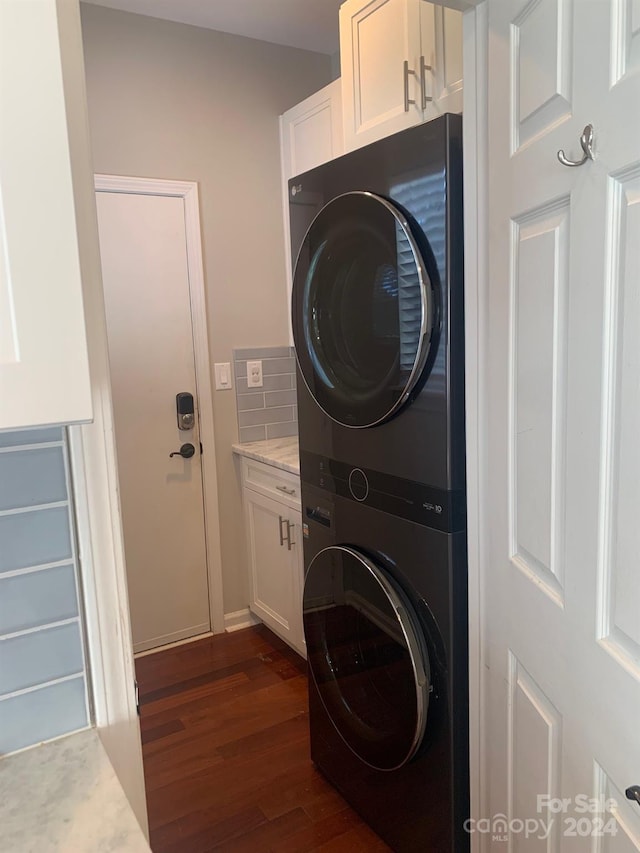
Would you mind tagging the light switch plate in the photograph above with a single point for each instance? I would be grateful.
(223, 376)
(254, 374)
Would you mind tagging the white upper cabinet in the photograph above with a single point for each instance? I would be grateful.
(310, 134)
(44, 172)
(401, 65)
(447, 59)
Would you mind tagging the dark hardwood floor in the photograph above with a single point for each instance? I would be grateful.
(226, 752)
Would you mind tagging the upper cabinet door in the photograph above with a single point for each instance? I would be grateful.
(443, 28)
(401, 65)
(44, 174)
(380, 50)
(311, 132)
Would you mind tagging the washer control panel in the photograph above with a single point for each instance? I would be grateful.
(417, 502)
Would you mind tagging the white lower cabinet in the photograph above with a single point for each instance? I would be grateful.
(274, 547)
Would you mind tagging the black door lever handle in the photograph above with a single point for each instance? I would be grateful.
(186, 451)
(633, 793)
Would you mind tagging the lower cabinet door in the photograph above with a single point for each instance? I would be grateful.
(275, 594)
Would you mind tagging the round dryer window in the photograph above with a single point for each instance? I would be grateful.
(367, 657)
(363, 309)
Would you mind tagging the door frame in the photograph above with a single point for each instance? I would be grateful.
(475, 94)
(92, 450)
(188, 192)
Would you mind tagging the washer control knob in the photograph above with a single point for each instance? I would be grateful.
(358, 484)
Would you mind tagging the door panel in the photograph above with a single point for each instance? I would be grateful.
(562, 592)
(542, 51)
(146, 283)
(619, 605)
(538, 299)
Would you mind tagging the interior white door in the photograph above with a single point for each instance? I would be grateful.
(562, 583)
(146, 284)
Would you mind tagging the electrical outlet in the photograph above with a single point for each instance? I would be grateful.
(254, 374)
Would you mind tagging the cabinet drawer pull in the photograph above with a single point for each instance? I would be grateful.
(286, 490)
(407, 99)
(281, 519)
(423, 82)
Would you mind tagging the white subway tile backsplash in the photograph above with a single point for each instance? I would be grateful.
(280, 398)
(270, 366)
(279, 382)
(32, 477)
(247, 402)
(282, 430)
(37, 598)
(254, 433)
(42, 714)
(273, 412)
(265, 416)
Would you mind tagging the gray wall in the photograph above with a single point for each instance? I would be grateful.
(42, 667)
(168, 100)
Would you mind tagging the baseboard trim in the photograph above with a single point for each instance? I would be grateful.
(240, 619)
(169, 641)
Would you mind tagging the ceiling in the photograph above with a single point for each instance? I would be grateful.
(308, 24)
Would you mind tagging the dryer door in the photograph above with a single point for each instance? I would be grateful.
(367, 656)
(363, 309)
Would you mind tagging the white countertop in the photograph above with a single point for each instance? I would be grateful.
(64, 796)
(279, 452)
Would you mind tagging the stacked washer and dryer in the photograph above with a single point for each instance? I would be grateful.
(379, 334)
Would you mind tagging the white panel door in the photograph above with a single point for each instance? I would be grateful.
(562, 593)
(146, 284)
(376, 38)
(45, 247)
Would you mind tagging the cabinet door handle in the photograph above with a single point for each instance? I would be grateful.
(290, 541)
(280, 519)
(423, 82)
(407, 99)
(286, 490)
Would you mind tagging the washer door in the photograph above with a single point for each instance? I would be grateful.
(363, 309)
(367, 657)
